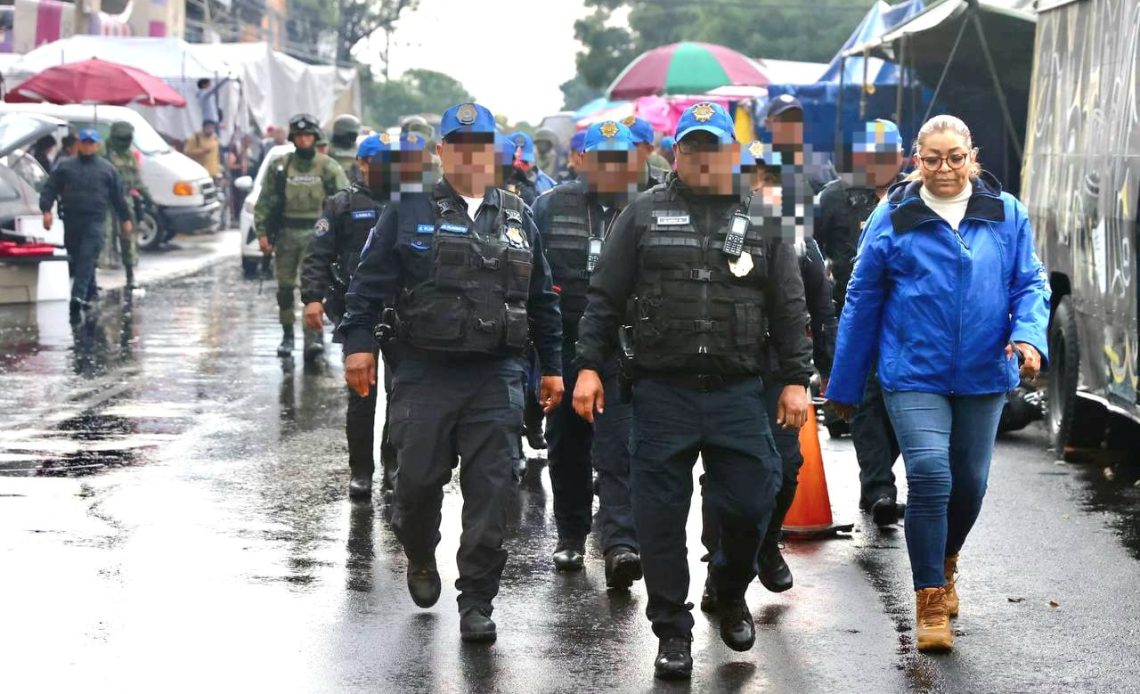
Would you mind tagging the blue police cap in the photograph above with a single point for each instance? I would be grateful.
(578, 141)
(468, 118)
(608, 135)
(89, 135)
(522, 141)
(383, 142)
(706, 117)
(667, 142)
(879, 135)
(641, 129)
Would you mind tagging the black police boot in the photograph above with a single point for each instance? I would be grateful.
(623, 567)
(736, 627)
(314, 344)
(360, 486)
(475, 626)
(131, 286)
(774, 572)
(570, 554)
(532, 422)
(286, 347)
(885, 511)
(708, 597)
(75, 311)
(674, 659)
(423, 583)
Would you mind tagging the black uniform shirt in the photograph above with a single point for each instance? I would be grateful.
(85, 187)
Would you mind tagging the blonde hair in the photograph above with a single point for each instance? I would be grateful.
(941, 124)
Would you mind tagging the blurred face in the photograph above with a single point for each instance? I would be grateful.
(787, 129)
(705, 165)
(304, 140)
(469, 164)
(944, 159)
(413, 168)
(209, 129)
(879, 168)
(668, 152)
(280, 136)
(608, 171)
(543, 146)
(87, 148)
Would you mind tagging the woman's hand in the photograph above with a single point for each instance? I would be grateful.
(1030, 359)
(844, 410)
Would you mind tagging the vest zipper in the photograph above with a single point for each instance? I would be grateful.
(706, 238)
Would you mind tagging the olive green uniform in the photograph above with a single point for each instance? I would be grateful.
(118, 152)
(306, 185)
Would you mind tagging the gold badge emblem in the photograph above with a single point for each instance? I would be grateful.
(515, 237)
(756, 149)
(466, 114)
(629, 121)
(412, 138)
(703, 112)
(385, 138)
(609, 129)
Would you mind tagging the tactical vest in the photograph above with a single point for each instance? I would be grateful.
(475, 295)
(860, 202)
(362, 214)
(568, 247)
(688, 301)
(305, 191)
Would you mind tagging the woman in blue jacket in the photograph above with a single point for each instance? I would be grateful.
(948, 294)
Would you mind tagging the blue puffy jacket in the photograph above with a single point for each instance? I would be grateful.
(937, 306)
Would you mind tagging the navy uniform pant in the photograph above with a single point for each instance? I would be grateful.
(470, 414)
(576, 449)
(876, 447)
(728, 428)
(83, 239)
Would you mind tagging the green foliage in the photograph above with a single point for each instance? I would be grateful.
(417, 91)
(576, 92)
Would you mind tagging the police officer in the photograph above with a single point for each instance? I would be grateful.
(548, 156)
(760, 168)
(459, 277)
(87, 186)
(652, 165)
(572, 220)
(120, 154)
(345, 131)
(665, 149)
(707, 289)
(784, 119)
(526, 180)
(338, 238)
(290, 203)
(876, 160)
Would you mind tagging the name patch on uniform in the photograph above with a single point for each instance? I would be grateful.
(364, 214)
(453, 228)
(674, 221)
(425, 228)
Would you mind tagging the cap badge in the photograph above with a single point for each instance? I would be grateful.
(628, 121)
(756, 148)
(703, 112)
(466, 114)
(385, 138)
(609, 129)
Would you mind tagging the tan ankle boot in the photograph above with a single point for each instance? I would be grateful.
(933, 623)
(951, 588)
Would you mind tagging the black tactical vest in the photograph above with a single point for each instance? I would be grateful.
(362, 214)
(568, 248)
(478, 281)
(688, 301)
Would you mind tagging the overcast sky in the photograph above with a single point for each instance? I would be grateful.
(510, 54)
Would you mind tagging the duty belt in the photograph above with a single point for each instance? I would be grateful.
(704, 383)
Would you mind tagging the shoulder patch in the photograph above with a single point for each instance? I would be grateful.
(513, 215)
(321, 227)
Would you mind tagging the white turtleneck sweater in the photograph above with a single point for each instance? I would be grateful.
(951, 209)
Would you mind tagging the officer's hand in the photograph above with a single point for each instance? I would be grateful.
(1031, 359)
(314, 315)
(47, 221)
(263, 244)
(792, 410)
(589, 395)
(550, 391)
(360, 372)
(128, 227)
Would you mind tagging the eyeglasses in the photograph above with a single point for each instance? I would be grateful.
(955, 161)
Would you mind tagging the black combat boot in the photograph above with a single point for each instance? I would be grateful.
(674, 659)
(736, 627)
(286, 347)
(570, 554)
(360, 486)
(476, 626)
(314, 344)
(623, 567)
(423, 583)
(774, 572)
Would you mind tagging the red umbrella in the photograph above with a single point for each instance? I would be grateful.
(96, 82)
(686, 68)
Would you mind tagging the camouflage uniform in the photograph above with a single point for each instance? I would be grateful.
(119, 153)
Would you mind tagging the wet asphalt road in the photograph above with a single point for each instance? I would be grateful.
(173, 518)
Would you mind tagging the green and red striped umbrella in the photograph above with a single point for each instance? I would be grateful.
(686, 68)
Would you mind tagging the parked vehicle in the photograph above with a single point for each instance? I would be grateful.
(21, 178)
(1081, 184)
(186, 199)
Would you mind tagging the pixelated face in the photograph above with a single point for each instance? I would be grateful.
(787, 129)
(88, 148)
(944, 159)
(304, 140)
(608, 171)
(876, 169)
(470, 164)
(392, 173)
(706, 166)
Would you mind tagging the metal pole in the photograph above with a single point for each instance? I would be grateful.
(838, 144)
(1010, 132)
(899, 86)
(946, 69)
(863, 90)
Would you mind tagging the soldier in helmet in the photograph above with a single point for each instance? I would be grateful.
(288, 207)
(120, 154)
(345, 131)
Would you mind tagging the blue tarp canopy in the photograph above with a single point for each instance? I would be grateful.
(880, 19)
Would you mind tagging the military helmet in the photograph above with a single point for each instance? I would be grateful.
(346, 125)
(546, 134)
(418, 124)
(123, 129)
(303, 123)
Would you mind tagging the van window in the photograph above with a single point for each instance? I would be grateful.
(8, 192)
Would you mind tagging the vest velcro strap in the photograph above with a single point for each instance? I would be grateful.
(696, 274)
(487, 326)
(696, 326)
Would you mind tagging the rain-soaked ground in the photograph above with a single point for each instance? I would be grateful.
(173, 518)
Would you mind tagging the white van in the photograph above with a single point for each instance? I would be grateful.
(183, 192)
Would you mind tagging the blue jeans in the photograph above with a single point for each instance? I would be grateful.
(946, 443)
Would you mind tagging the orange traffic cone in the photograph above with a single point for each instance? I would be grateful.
(810, 514)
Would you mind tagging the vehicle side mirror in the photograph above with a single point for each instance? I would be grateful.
(244, 183)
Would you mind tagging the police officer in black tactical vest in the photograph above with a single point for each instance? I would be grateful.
(710, 290)
(573, 219)
(338, 237)
(457, 279)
